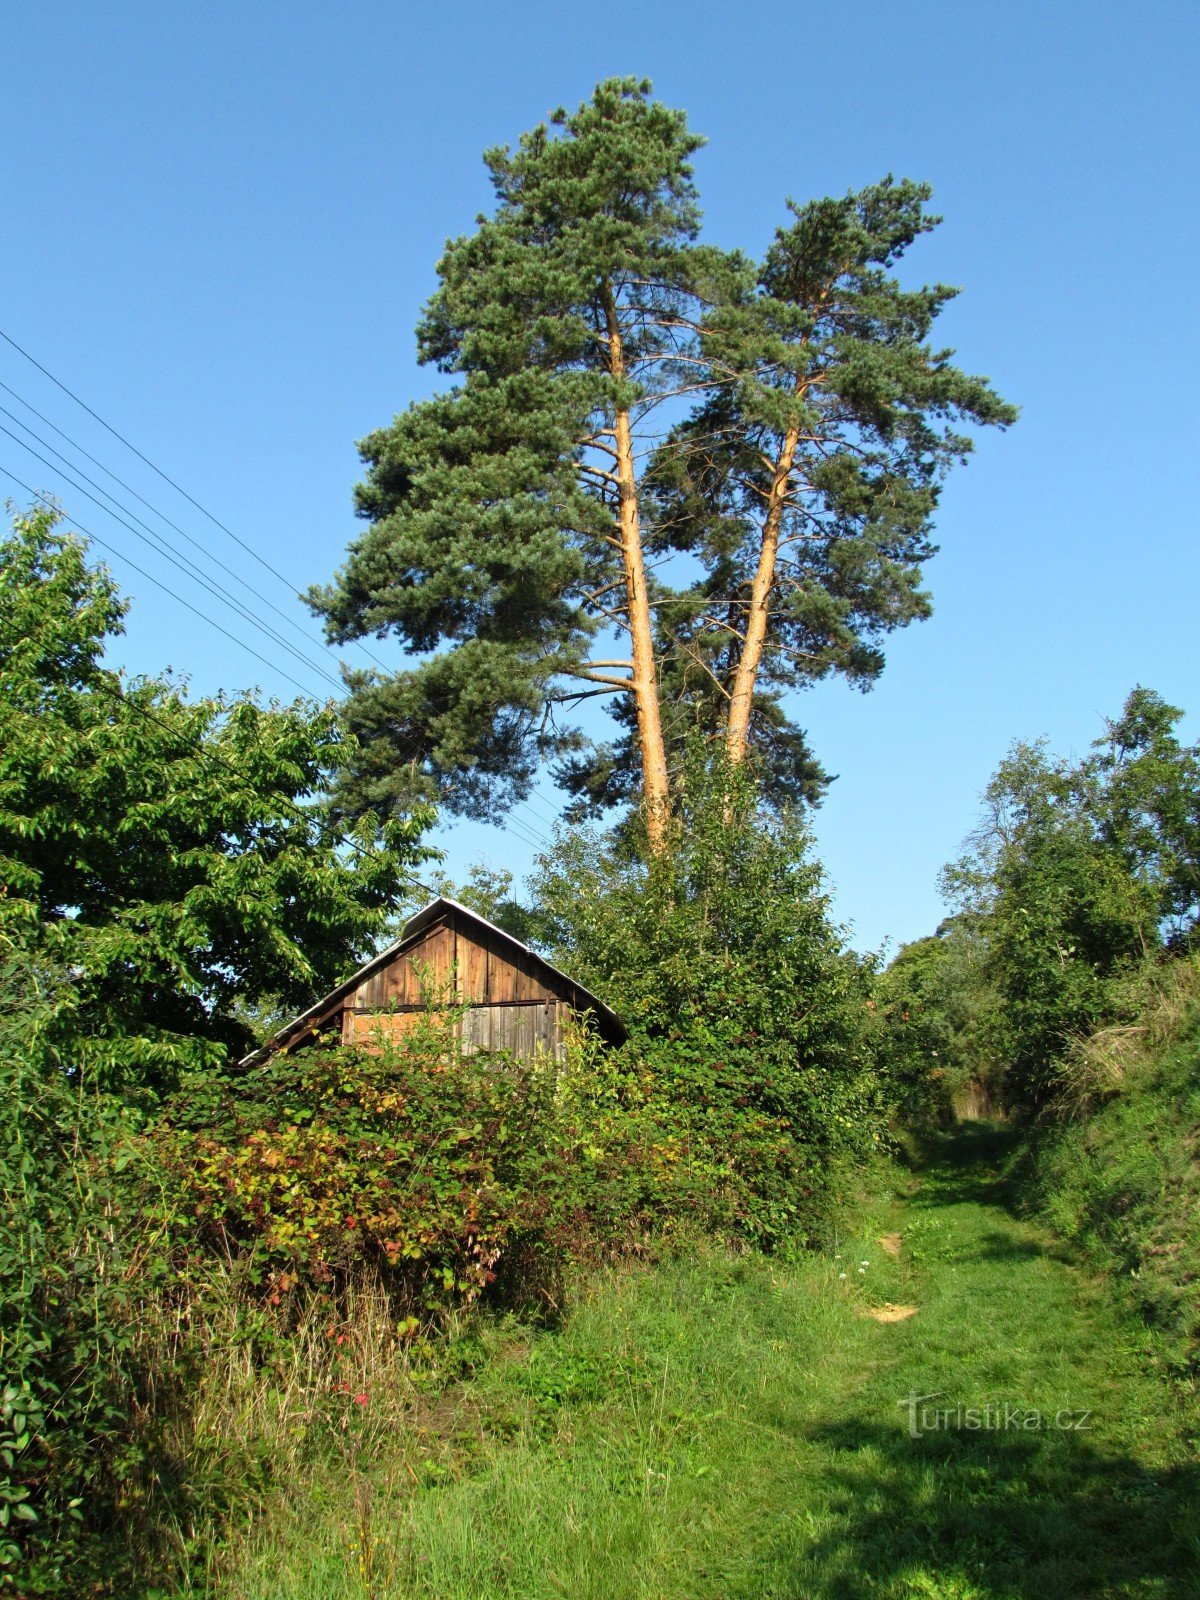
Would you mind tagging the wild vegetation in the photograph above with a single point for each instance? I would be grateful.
(724, 1424)
(392, 1277)
(644, 1319)
(1066, 988)
(182, 1226)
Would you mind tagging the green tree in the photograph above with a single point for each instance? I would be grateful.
(806, 483)
(746, 1012)
(173, 856)
(505, 513)
(1078, 873)
(1149, 784)
(936, 1011)
(532, 510)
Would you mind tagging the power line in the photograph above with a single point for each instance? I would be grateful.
(512, 826)
(120, 437)
(536, 837)
(541, 810)
(205, 752)
(157, 511)
(112, 549)
(521, 829)
(177, 560)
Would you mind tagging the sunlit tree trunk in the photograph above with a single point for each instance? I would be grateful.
(644, 680)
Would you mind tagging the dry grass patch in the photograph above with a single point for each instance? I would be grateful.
(890, 1313)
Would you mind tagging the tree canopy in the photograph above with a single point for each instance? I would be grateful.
(1079, 873)
(663, 473)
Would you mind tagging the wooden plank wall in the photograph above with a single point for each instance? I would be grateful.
(456, 960)
(523, 1030)
(515, 1009)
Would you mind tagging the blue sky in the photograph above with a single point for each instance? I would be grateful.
(222, 222)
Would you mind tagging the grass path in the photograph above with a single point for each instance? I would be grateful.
(720, 1428)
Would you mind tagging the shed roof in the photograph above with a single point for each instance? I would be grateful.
(611, 1026)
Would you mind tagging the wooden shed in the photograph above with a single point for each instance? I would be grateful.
(448, 955)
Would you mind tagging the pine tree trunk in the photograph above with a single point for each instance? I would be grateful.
(655, 778)
(741, 698)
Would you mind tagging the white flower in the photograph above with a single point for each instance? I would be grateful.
(841, 1274)
(864, 1263)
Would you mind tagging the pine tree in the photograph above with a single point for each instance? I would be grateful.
(505, 514)
(806, 484)
(623, 395)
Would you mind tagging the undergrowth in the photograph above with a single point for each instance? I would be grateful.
(725, 1426)
(1115, 1166)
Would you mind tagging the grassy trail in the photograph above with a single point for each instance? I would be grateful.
(720, 1428)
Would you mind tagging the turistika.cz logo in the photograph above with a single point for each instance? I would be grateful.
(996, 1416)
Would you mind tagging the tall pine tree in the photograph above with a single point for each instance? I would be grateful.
(624, 395)
(807, 482)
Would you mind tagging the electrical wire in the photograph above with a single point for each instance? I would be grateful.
(195, 610)
(150, 506)
(179, 561)
(179, 489)
(511, 826)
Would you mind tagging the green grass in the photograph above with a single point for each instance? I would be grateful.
(1124, 1184)
(717, 1426)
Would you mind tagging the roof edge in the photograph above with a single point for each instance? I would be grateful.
(416, 925)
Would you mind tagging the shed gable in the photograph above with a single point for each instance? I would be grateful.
(509, 998)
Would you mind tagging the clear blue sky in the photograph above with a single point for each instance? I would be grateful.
(222, 221)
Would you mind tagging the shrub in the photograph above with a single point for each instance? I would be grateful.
(747, 1015)
(68, 1292)
(420, 1162)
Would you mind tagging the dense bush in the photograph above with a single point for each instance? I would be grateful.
(68, 1298)
(421, 1164)
(747, 1014)
(1121, 1176)
(934, 1018)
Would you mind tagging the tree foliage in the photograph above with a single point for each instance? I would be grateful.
(935, 1010)
(748, 1016)
(623, 396)
(806, 479)
(1079, 872)
(172, 855)
(65, 1300)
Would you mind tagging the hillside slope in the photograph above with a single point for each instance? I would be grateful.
(1120, 1177)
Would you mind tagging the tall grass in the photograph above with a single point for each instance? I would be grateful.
(1115, 1167)
(719, 1426)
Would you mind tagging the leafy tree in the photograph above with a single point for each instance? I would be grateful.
(534, 508)
(171, 855)
(1078, 873)
(936, 1011)
(747, 1015)
(1150, 806)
